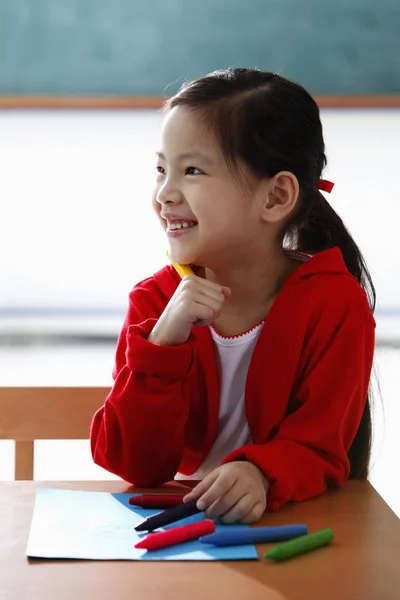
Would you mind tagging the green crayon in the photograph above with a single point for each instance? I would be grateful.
(305, 543)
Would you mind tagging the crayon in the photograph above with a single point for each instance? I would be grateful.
(168, 516)
(157, 500)
(300, 545)
(182, 270)
(238, 536)
(177, 535)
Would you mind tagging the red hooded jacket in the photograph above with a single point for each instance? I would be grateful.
(305, 390)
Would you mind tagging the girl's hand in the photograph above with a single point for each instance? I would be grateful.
(195, 302)
(234, 492)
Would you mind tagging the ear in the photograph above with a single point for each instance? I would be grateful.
(281, 197)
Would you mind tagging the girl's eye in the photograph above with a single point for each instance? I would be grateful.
(193, 171)
(160, 170)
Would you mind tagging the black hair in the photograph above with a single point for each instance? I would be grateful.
(273, 124)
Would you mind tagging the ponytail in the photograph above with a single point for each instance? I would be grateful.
(322, 228)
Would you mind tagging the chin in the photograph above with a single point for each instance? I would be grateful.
(182, 257)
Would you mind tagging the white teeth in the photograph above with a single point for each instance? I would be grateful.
(174, 226)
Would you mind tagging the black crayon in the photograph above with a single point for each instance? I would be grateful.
(168, 516)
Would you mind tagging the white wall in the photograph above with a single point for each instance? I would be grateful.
(77, 226)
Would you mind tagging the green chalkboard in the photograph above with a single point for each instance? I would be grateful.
(148, 47)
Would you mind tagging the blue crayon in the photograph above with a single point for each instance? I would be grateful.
(236, 536)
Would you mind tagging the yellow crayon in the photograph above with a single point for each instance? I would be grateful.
(182, 270)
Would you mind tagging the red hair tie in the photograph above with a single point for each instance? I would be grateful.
(325, 185)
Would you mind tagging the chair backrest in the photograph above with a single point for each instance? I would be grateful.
(45, 413)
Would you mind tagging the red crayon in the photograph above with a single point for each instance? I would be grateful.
(157, 500)
(170, 537)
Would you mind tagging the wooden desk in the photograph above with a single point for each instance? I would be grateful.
(363, 562)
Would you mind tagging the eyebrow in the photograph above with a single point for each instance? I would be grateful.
(191, 154)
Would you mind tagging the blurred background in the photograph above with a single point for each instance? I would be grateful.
(81, 83)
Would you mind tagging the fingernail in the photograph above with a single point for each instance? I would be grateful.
(201, 505)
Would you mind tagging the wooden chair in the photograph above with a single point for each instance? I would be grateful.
(45, 413)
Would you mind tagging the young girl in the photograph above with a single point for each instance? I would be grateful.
(252, 374)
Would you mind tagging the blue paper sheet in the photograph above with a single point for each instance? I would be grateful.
(100, 526)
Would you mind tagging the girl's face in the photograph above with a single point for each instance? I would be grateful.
(209, 220)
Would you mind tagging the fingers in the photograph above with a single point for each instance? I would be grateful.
(205, 288)
(219, 488)
(210, 301)
(226, 291)
(245, 511)
(202, 487)
(201, 300)
(239, 510)
(203, 315)
(232, 493)
(202, 308)
(236, 505)
(208, 286)
(255, 513)
(224, 504)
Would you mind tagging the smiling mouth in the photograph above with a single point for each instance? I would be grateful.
(180, 225)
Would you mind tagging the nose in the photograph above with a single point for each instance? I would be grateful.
(169, 193)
